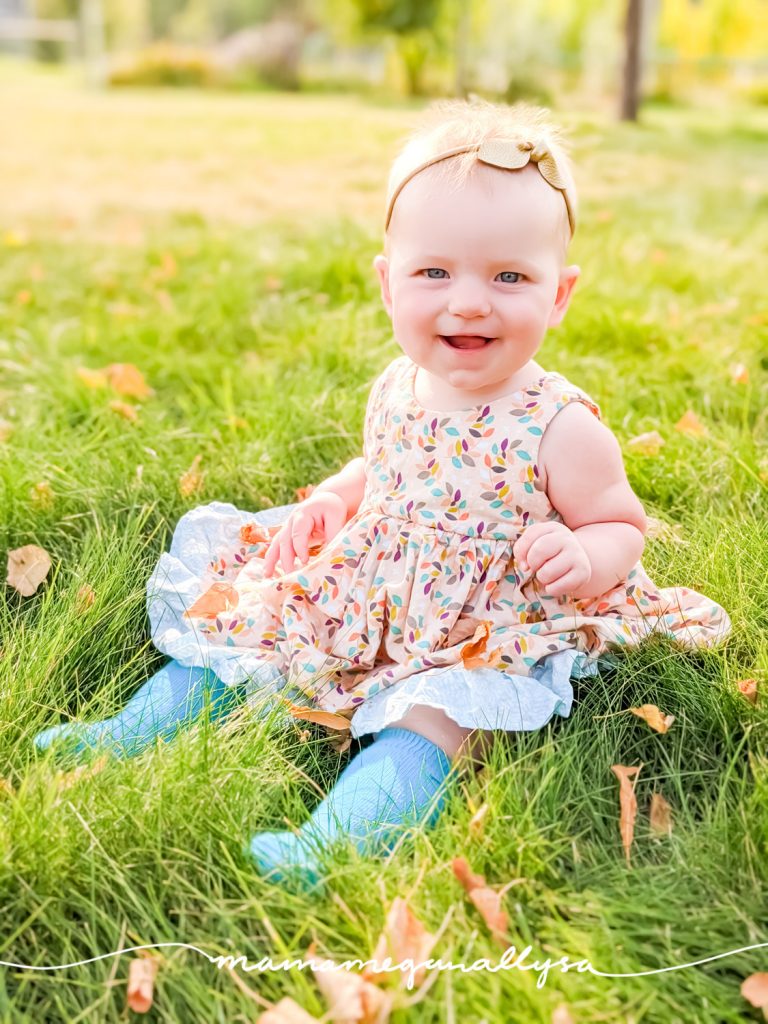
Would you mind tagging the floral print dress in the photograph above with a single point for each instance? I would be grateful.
(419, 577)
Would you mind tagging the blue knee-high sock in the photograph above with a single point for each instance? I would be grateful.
(393, 781)
(171, 699)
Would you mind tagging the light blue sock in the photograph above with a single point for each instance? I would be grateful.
(391, 782)
(170, 700)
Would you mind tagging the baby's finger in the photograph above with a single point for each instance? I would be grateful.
(300, 538)
(554, 568)
(526, 540)
(566, 584)
(270, 557)
(287, 553)
(544, 548)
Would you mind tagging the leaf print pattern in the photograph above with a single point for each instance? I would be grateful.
(427, 558)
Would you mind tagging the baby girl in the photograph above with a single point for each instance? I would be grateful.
(483, 550)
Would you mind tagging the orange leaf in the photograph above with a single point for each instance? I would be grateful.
(661, 815)
(27, 568)
(192, 480)
(755, 990)
(651, 715)
(748, 689)
(404, 937)
(65, 780)
(689, 423)
(628, 804)
(141, 981)
(286, 1012)
(465, 875)
(739, 373)
(486, 900)
(6, 429)
(128, 412)
(6, 788)
(562, 1015)
(255, 533)
(302, 493)
(85, 597)
(325, 718)
(351, 998)
(649, 443)
(218, 598)
(472, 651)
(126, 379)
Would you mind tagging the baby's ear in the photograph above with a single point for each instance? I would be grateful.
(568, 278)
(381, 266)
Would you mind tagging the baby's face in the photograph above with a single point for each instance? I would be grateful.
(475, 277)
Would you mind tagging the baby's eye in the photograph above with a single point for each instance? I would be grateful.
(510, 276)
(435, 273)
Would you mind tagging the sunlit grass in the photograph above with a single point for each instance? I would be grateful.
(260, 337)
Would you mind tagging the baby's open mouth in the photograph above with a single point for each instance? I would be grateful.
(465, 341)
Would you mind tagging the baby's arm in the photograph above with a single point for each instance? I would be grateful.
(602, 534)
(348, 483)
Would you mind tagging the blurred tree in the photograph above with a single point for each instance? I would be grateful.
(411, 22)
(633, 33)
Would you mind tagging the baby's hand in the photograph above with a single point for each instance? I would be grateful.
(318, 518)
(555, 556)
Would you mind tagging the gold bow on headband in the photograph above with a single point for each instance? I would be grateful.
(507, 155)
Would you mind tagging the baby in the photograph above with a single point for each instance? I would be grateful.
(483, 549)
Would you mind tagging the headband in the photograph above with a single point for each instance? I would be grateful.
(509, 155)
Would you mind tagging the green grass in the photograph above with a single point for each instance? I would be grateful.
(268, 384)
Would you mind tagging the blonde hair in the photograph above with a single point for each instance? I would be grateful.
(450, 124)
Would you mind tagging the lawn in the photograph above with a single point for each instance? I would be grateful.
(223, 245)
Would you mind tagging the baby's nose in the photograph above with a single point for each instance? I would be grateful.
(469, 301)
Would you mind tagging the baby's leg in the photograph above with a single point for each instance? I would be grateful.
(441, 729)
(397, 780)
(171, 699)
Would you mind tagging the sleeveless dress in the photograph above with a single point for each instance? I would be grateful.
(380, 618)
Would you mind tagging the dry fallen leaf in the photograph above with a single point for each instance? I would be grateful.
(302, 493)
(255, 533)
(477, 822)
(649, 443)
(218, 598)
(562, 1015)
(486, 900)
(739, 373)
(167, 269)
(651, 715)
(6, 788)
(689, 423)
(42, 494)
(403, 937)
(141, 981)
(661, 815)
(352, 999)
(85, 597)
(128, 412)
(628, 804)
(755, 991)
(27, 568)
(6, 429)
(473, 650)
(192, 480)
(126, 379)
(748, 689)
(326, 718)
(286, 1012)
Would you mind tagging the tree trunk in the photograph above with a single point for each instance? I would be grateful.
(630, 93)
